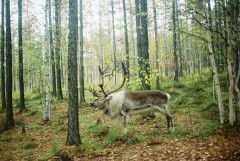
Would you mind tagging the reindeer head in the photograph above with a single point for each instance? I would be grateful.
(100, 102)
(103, 98)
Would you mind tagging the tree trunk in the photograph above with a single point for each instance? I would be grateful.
(46, 110)
(126, 43)
(214, 69)
(52, 51)
(145, 51)
(156, 43)
(57, 48)
(221, 41)
(20, 48)
(217, 39)
(174, 45)
(2, 59)
(179, 42)
(100, 34)
(73, 136)
(132, 34)
(165, 37)
(114, 42)
(9, 111)
(139, 45)
(82, 96)
(232, 29)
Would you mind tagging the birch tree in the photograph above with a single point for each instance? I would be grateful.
(114, 42)
(212, 60)
(46, 110)
(232, 29)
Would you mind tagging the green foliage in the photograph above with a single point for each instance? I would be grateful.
(8, 139)
(180, 131)
(207, 128)
(27, 152)
(31, 112)
(54, 147)
(19, 121)
(21, 136)
(59, 128)
(29, 145)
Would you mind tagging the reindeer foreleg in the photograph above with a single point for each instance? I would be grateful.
(125, 120)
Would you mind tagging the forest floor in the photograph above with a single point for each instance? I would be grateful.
(197, 136)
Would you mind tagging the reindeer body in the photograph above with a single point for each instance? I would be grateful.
(127, 103)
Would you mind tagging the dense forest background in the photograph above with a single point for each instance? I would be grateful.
(54, 51)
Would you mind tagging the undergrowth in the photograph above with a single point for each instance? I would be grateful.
(194, 111)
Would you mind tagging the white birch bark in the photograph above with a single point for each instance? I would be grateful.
(232, 40)
(214, 69)
(46, 110)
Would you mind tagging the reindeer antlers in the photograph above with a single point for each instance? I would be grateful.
(93, 92)
(102, 72)
(124, 79)
(101, 86)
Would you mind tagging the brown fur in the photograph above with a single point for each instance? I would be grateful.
(153, 97)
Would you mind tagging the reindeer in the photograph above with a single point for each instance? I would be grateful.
(126, 103)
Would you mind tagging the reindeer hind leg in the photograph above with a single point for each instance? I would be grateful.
(164, 111)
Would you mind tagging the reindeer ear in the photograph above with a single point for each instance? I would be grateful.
(109, 98)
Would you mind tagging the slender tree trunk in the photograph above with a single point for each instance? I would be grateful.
(232, 29)
(174, 45)
(126, 43)
(217, 39)
(165, 36)
(100, 35)
(221, 41)
(73, 136)
(2, 59)
(214, 69)
(46, 111)
(114, 42)
(20, 48)
(156, 43)
(145, 51)
(225, 29)
(179, 42)
(52, 51)
(138, 28)
(9, 111)
(57, 48)
(132, 34)
(82, 97)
